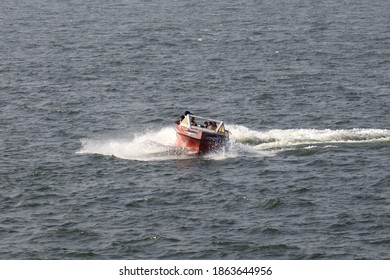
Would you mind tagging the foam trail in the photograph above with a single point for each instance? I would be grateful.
(285, 138)
(244, 142)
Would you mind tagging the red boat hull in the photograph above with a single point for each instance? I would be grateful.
(198, 141)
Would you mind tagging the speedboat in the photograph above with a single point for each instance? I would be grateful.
(200, 135)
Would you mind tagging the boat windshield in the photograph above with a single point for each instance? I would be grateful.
(192, 121)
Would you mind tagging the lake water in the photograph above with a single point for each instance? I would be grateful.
(89, 92)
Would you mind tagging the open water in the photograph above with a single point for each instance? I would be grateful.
(89, 91)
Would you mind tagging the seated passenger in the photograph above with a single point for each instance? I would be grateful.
(193, 122)
(181, 118)
(212, 125)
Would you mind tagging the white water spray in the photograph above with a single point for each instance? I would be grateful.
(160, 145)
(287, 138)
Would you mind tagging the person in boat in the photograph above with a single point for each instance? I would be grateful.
(193, 122)
(211, 125)
(181, 118)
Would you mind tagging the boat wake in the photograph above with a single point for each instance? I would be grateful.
(293, 138)
(244, 142)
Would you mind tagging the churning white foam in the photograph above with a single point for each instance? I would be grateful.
(157, 145)
(244, 142)
(286, 138)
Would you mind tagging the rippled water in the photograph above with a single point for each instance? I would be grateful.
(89, 91)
